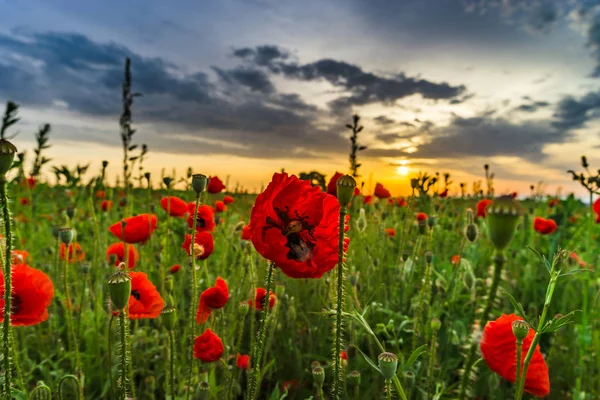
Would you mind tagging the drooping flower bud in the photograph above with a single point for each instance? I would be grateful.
(119, 287)
(354, 378)
(169, 315)
(520, 329)
(7, 157)
(388, 364)
(318, 374)
(502, 218)
(345, 189)
(168, 284)
(199, 183)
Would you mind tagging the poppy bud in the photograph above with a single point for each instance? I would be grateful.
(503, 215)
(471, 232)
(354, 378)
(353, 278)
(85, 267)
(65, 235)
(428, 257)
(169, 284)
(520, 329)
(422, 225)
(584, 162)
(239, 226)
(104, 164)
(318, 374)
(147, 176)
(345, 189)
(123, 201)
(243, 309)
(202, 391)
(414, 183)
(7, 157)
(405, 256)
(199, 183)
(436, 324)
(190, 172)
(388, 364)
(169, 315)
(361, 222)
(431, 221)
(167, 181)
(119, 287)
(71, 212)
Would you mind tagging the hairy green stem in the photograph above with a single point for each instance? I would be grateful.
(72, 338)
(193, 289)
(109, 337)
(519, 374)
(172, 363)
(388, 389)
(337, 374)
(432, 352)
(124, 350)
(6, 327)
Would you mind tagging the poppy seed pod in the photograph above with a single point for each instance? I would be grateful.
(318, 374)
(354, 378)
(414, 183)
(472, 232)
(71, 212)
(243, 309)
(167, 181)
(7, 157)
(147, 176)
(65, 235)
(202, 391)
(428, 257)
(422, 226)
(520, 329)
(388, 364)
(431, 221)
(199, 183)
(345, 189)
(503, 215)
(119, 287)
(169, 315)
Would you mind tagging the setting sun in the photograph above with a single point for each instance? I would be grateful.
(402, 170)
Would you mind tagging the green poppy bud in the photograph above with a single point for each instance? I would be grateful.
(472, 232)
(353, 378)
(169, 284)
(7, 157)
(436, 324)
(388, 364)
(243, 309)
(169, 315)
(422, 226)
(119, 287)
(65, 235)
(353, 278)
(502, 218)
(428, 257)
(431, 221)
(71, 212)
(318, 374)
(345, 189)
(520, 329)
(199, 183)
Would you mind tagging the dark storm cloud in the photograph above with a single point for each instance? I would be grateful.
(390, 138)
(254, 79)
(262, 55)
(574, 113)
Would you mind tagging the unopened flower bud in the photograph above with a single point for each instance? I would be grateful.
(584, 162)
(243, 309)
(119, 287)
(169, 316)
(431, 221)
(199, 183)
(388, 364)
(436, 324)
(104, 164)
(422, 226)
(167, 181)
(472, 232)
(414, 183)
(428, 257)
(318, 374)
(520, 329)
(361, 222)
(354, 378)
(345, 189)
(353, 278)
(169, 284)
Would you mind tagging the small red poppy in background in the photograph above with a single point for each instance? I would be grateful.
(289, 386)
(76, 253)
(106, 205)
(212, 298)
(514, 195)
(381, 192)
(246, 233)
(444, 193)
(205, 219)
(18, 257)
(356, 191)
(204, 245)
(332, 185)
(481, 207)
(175, 269)
(208, 347)
(24, 201)
(214, 185)
(577, 260)
(455, 259)
(259, 299)
(174, 206)
(220, 206)
(242, 361)
(498, 347)
(421, 216)
(391, 232)
(100, 194)
(402, 202)
(544, 226)
(228, 200)
(295, 225)
(32, 293)
(29, 182)
(596, 208)
(553, 202)
(116, 252)
(391, 201)
(368, 199)
(138, 229)
(145, 301)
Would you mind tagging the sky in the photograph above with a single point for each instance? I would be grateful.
(244, 88)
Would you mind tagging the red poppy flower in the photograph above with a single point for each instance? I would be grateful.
(19, 257)
(544, 226)
(205, 245)
(174, 206)
(100, 194)
(76, 253)
(421, 216)
(145, 301)
(344, 355)
(481, 207)
(24, 201)
(514, 195)
(228, 200)
(455, 259)
(381, 192)
(391, 201)
(116, 252)
(356, 191)
(29, 182)
(32, 293)
(246, 233)
(106, 205)
(289, 385)
(214, 185)
(138, 229)
(596, 208)
(208, 347)
(259, 299)
(220, 206)
(391, 232)
(205, 220)
(242, 361)
(444, 193)
(212, 298)
(402, 202)
(332, 185)
(175, 269)
(498, 347)
(368, 199)
(553, 203)
(295, 225)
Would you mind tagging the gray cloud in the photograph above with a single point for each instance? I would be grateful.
(573, 113)
(532, 106)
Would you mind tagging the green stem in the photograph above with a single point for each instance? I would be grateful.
(124, 350)
(499, 261)
(388, 389)
(431, 363)
(72, 338)
(519, 377)
(260, 338)
(110, 374)
(192, 316)
(6, 327)
(337, 375)
(172, 363)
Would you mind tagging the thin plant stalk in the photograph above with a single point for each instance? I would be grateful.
(6, 327)
(337, 374)
(193, 300)
(124, 350)
(172, 363)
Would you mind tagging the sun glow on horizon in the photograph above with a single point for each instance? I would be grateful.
(402, 170)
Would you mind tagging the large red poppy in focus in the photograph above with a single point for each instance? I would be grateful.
(174, 206)
(295, 225)
(208, 347)
(138, 229)
(32, 294)
(205, 242)
(145, 301)
(499, 349)
(212, 298)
